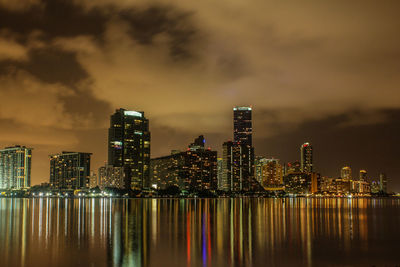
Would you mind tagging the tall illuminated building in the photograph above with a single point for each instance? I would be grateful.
(15, 167)
(383, 182)
(363, 175)
(306, 154)
(238, 155)
(70, 170)
(129, 147)
(346, 173)
(242, 125)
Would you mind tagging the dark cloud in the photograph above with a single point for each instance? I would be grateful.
(54, 18)
(50, 65)
(148, 23)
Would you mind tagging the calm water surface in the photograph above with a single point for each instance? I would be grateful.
(202, 232)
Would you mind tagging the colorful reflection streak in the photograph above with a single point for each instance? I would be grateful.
(199, 232)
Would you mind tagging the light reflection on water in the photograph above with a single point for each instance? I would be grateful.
(202, 232)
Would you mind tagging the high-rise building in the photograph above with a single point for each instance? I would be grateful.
(272, 174)
(238, 165)
(363, 175)
(293, 167)
(346, 173)
(306, 154)
(383, 183)
(238, 156)
(70, 170)
(242, 126)
(93, 181)
(129, 147)
(259, 162)
(194, 169)
(220, 172)
(15, 167)
(111, 177)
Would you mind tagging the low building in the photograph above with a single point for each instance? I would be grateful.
(193, 169)
(297, 183)
(70, 170)
(111, 177)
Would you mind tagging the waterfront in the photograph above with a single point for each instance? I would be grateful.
(199, 232)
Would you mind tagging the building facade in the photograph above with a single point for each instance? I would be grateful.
(111, 177)
(238, 155)
(238, 166)
(306, 154)
(70, 170)
(15, 167)
(272, 174)
(192, 170)
(346, 173)
(129, 147)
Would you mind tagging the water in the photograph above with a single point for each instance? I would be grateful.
(202, 232)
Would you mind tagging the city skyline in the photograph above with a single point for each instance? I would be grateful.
(244, 136)
(187, 64)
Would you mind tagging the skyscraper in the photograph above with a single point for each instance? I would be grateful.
(129, 147)
(70, 170)
(306, 154)
(238, 156)
(363, 175)
(346, 173)
(383, 183)
(15, 167)
(242, 126)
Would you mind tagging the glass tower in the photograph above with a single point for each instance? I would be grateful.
(306, 158)
(129, 147)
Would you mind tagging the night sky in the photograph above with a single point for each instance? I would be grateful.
(327, 72)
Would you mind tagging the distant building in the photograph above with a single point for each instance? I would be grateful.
(363, 175)
(111, 177)
(15, 167)
(306, 153)
(259, 162)
(315, 182)
(341, 186)
(70, 170)
(346, 173)
(360, 187)
(383, 183)
(238, 166)
(293, 167)
(93, 180)
(242, 126)
(375, 187)
(194, 169)
(220, 172)
(272, 174)
(297, 183)
(129, 147)
(238, 156)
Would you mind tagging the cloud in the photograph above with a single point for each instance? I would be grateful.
(31, 102)
(20, 5)
(11, 50)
